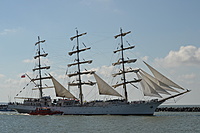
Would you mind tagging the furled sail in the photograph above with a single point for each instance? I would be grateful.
(128, 71)
(162, 78)
(147, 89)
(126, 61)
(83, 83)
(60, 90)
(73, 52)
(122, 34)
(127, 82)
(78, 36)
(47, 67)
(43, 88)
(89, 62)
(39, 41)
(86, 72)
(104, 88)
(154, 85)
(44, 55)
(40, 78)
(124, 49)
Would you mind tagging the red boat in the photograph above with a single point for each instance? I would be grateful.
(45, 111)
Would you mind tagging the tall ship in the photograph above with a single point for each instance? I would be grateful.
(156, 86)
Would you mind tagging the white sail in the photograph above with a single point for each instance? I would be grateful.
(162, 78)
(147, 89)
(154, 85)
(104, 88)
(60, 90)
(159, 83)
(166, 87)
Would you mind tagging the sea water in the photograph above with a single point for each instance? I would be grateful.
(161, 122)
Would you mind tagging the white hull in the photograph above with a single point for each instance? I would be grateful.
(115, 109)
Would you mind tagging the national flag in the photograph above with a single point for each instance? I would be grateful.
(23, 76)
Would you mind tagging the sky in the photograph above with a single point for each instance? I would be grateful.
(165, 33)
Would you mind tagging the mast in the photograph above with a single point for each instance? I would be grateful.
(78, 63)
(123, 69)
(122, 61)
(79, 76)
(40, 67)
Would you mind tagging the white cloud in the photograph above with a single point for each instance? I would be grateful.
(145, 58)
(45, 61)
(28, 61)
(8, 31)
(188, 76)
(186, 55)
(189, 79)
(1, 75)
(104, 70)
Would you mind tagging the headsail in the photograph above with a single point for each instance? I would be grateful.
(162, 78)
(60, 90)
(153, 84)
(159, 83)
(147, 89)
(104, 88)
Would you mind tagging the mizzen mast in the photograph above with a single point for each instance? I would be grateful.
(78, 63)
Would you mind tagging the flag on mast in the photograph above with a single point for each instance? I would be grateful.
(23, 76)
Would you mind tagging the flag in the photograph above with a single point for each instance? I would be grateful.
(23, 76)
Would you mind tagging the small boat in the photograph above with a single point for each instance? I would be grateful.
(45, 111)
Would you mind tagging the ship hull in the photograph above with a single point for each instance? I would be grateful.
(115, 109)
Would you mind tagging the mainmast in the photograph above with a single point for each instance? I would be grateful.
(78, 63)
(122, 61)
(39, 67)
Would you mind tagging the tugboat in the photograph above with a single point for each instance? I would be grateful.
(45, 111)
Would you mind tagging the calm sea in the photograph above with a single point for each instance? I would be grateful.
(161, 122)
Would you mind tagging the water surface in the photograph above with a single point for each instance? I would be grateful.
(161, 122)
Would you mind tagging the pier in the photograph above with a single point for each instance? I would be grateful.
(178, 109)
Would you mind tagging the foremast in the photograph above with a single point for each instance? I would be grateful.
(122, 61)
(78, 63)
(39, 67)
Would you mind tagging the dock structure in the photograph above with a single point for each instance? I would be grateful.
(178, 109)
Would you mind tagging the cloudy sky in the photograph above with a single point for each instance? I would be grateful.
(166, 35)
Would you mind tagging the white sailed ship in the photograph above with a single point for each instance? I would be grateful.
(151, 86)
